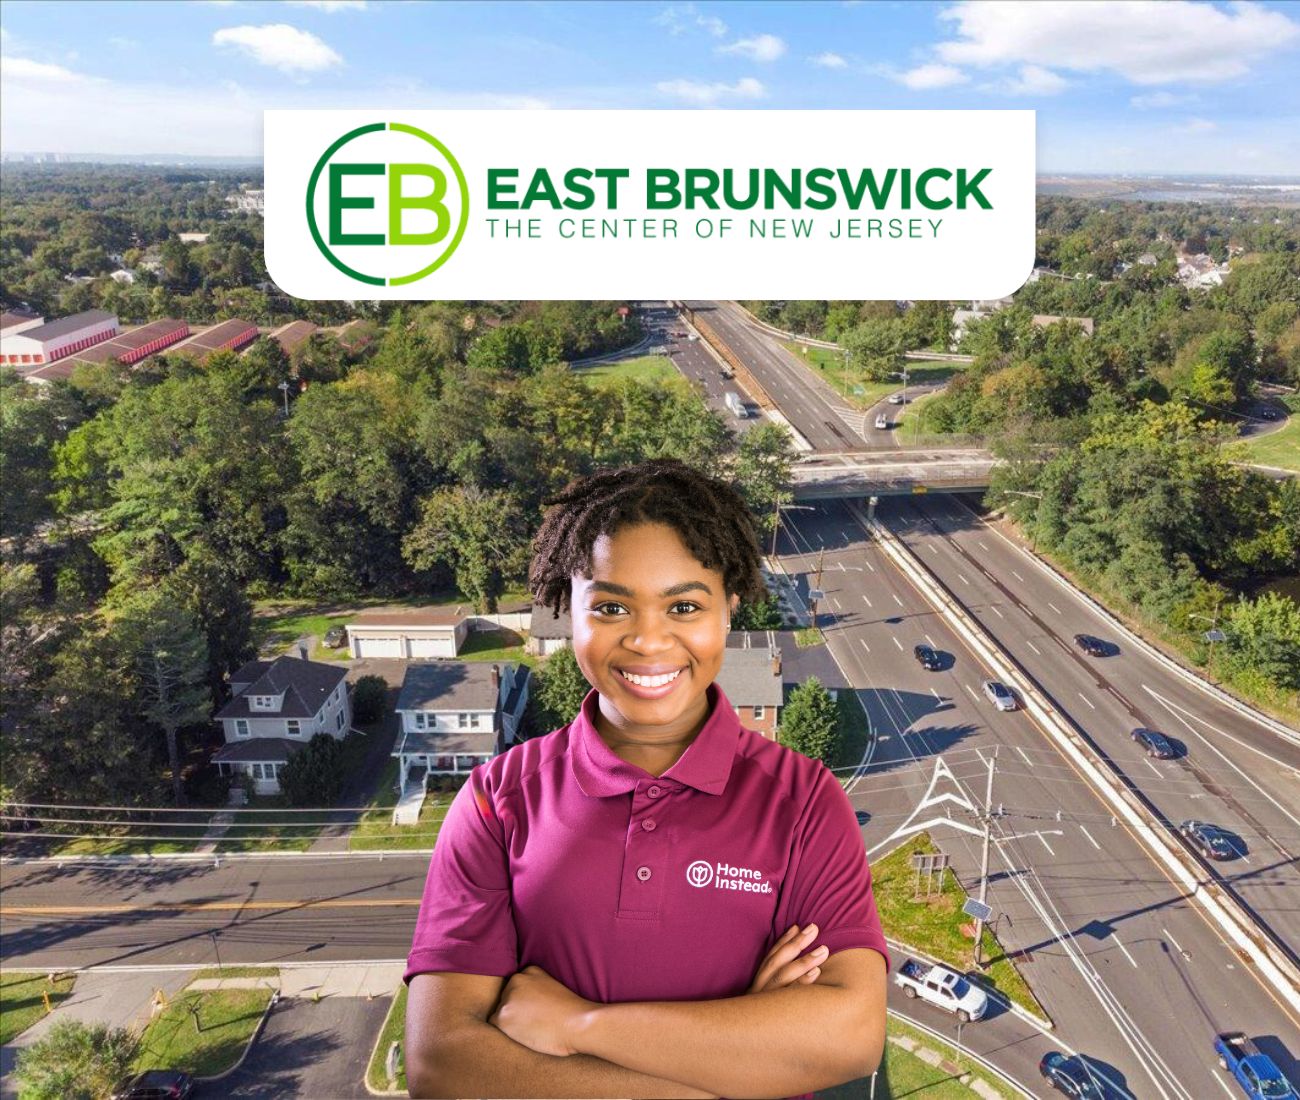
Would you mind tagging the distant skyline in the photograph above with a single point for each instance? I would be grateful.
(1178, 87)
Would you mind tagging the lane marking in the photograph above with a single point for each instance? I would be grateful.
(933, 549)
(1033, 647)
(1124, 949)
(1085, 832)
(868, 601)
(982, 546)
(1054, 607)
(898, 643)
(896, 599)
(963, 580)
(1151, 766)
(996, 612)
(1085, 699)
(1023, 755)
(1045, 844)
(1018, 576)
(972, 693)
(1173, 941)
(864, 645)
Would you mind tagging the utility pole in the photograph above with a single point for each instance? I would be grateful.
(1214, 634)
(821, 554)
(984, 858)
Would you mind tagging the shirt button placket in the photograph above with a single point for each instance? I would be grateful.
(642, 892)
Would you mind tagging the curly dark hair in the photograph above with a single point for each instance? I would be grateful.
(709, 515)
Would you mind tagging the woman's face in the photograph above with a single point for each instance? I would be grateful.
(650, 608)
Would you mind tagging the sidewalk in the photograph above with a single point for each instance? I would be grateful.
(123, 998)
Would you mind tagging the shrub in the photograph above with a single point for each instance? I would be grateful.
(314, 775)
(75, 1062)
(369, 699)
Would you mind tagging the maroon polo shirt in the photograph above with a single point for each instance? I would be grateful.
(629, 887)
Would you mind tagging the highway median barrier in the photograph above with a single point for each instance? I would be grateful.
(1254, 942)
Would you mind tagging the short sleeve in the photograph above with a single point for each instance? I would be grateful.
(828, 882)
(466, 922)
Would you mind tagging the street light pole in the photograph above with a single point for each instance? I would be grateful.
(984, 859)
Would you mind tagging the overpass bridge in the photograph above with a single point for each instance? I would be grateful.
(891, 473)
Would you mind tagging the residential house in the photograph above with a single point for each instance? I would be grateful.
(409, 633)
(455, 715)
(547, 630)
(751, 679)
(275, 708)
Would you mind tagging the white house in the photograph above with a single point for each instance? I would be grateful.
(409, 633)
(547, 630)
(455, 715)
(276, 707)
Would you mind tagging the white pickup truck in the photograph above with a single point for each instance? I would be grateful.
(941, 987)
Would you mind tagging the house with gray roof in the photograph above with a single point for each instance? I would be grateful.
(455, 715)
(548, 631)
(751, 679)
(275, 708)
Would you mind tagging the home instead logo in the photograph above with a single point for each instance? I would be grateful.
(724, 876)
(399, 176)
(649, 204)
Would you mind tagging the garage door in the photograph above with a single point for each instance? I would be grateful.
(378, 647)
(430, 647)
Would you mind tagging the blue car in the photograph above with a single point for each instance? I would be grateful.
(1069, 1076)
(1255, 1073)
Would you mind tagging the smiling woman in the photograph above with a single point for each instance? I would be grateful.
(651, 900)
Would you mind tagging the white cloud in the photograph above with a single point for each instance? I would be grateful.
(762, 47)
(1153, 101)
(24, 69)
(1033, 80)
(925, 77)
(1145, 42)
(281, 46)
(828, 60)
(329, 6)
(702, 94)
(679, 18)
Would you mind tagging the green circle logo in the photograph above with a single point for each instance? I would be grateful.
(377, 231)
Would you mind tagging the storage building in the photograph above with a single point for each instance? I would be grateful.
(29, 348)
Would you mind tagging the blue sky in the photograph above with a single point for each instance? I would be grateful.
(1175, 86)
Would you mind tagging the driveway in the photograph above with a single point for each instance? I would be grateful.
(309, 1049)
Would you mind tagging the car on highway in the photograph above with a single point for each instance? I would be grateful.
(927, 657)
(334, 638)
(897, 399)
(1070, 1076)
(862, 815)
(692, 336)
(882, 422)
(157, 1084)
(1211, 841)
(727, 372)
(999, 695)
(1156, 744)
(1093, 647)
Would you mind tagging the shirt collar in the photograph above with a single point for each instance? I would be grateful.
(705, 765)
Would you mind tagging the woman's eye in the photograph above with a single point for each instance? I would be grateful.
(687, 604)
(690, 607)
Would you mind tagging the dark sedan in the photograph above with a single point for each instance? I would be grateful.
(927, 658)
(1211, 841)
(1070, 1076)
(1156, 744)
(1093, 647)
(157, 1084)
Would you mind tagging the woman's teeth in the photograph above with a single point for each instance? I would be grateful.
(651, 681)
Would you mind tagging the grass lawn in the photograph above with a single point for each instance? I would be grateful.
(934, 925)
(483, 645)
(809, 635)
(251, 832)
(910, 419)
(202, 1031)
(376, 831)
(1277, 448)
(181, 833)
(907, 1075)
(645, 368)
(21, 1004)
(393, 1031)
(237, 972)
(830, 365)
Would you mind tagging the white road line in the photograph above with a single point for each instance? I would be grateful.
(1174, 941)
(1125, 950)
(1033, 647)
(865, 646)
(1044, 840)
(1151, 765)
(1123, 701)
(1054, 607)
(871, 567)
(983, 760)
(996, 612)
(933, 549)
(1225, 1087)
(1018, 576)
(937, 697)
(982, 546)
(1089, 836)
(1023, 755)
(897, 643)
(1085, 699)
(896, 599)
(930, 640)
(962, 579)
(868, 601)
(972, 692)
(836, 603)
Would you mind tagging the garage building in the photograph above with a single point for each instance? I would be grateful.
(29, 348)
(128, 348)
(410, 634)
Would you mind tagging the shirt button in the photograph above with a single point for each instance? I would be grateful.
(654, 792)
(648, 825)
(643, 873)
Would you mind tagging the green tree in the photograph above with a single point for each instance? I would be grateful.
(314, 774)
(876, 347)
(557, 690)
(170, 653)
(810, 722)
(369, 699)
(1263, 640)
(75, 1061)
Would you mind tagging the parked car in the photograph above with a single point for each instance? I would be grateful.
(727, 372)
(1069, 1075)
(157, 1084)
(882, 421)
(927, 658)
(1211, 841)
(862, 816)
(1156, 744)
(1000, 695)
(897, 399)
(335, 637)
(1256, 1073)
(1093, 647)
(942, 987)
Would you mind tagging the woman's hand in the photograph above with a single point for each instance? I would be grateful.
(784, 966)
(540, 1012)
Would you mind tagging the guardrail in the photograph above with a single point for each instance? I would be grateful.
(1256, 944)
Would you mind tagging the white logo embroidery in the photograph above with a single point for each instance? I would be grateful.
(726, 877)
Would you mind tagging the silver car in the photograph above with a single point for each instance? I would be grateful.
(1000, 695)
